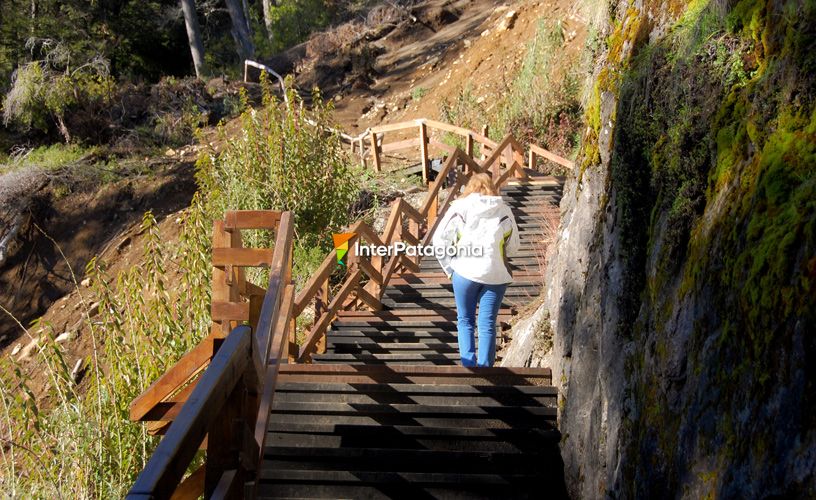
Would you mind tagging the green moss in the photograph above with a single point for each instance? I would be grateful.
(713, 164)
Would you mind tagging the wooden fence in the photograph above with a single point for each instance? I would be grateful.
(370, 145)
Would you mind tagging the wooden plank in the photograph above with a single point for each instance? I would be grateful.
(423, 153)
(251, 219)
(447, 127)
(471, 165)
(518, 157)
(433, 210)
(375, 152)
(182, 371)
(409, 264)
(281, 330)
(409, 238)
(168, 409)
(437, 147)
(192, 487)
(321, 306)
(393, 222)
(255, 305)
(368, 268)
(227, 487)
(399, 145)
(412, 212)
(311, 287)
(171, 457)
(278, 355)
(437, 184)
(393, 127)
(368, 299)
(364, 232)
(427, 370)
(242, 257)
(279, 277)
(221, 290)
(322, 324)
(460, 181)
(227, 311)
(413, 313)
(469, 145)
(538, 150)
(254, 290)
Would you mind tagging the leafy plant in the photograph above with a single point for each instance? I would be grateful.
(47, 91)
(284, 159)
(79, 443)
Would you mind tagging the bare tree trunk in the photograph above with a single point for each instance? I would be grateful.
(194, 35)
(267, 15)
(7, 238)
(240, 32)
(246, 17)
(33, 16)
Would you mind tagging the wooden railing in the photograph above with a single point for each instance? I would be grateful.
(424, 142)
(225, 409)
(405, 223)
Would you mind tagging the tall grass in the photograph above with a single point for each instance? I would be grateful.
(76, 441)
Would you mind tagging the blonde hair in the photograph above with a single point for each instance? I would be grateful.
(480, 183)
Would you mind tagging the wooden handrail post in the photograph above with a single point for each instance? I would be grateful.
(432, 210)
(223, 440)
(375, 152)
(292, 352)
(484, 134)
(468, 149)
(321, 306)
(423, 152)
(223, 288)
(532, 160)
(374, 288)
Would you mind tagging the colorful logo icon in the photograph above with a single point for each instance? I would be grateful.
(341, 244)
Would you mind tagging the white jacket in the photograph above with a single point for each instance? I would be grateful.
(477, 222)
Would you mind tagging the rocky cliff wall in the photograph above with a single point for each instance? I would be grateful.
(681, 289)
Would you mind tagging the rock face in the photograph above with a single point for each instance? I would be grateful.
(681, 290)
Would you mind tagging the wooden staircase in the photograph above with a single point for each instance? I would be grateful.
(386, 412)
(373, 403)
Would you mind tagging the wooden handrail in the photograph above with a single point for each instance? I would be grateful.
(375, 135)
(173, 454)
(536, 151)
(231, 399)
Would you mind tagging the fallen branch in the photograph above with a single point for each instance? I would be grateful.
(9, 237)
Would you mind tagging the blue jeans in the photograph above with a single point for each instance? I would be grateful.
(489, 297)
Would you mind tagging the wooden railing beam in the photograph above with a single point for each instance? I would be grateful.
(169, 461)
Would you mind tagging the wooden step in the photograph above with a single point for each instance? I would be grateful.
(418, 375)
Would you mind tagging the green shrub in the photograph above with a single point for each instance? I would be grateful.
(48, 157)
(44, 95)
(280, 161)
